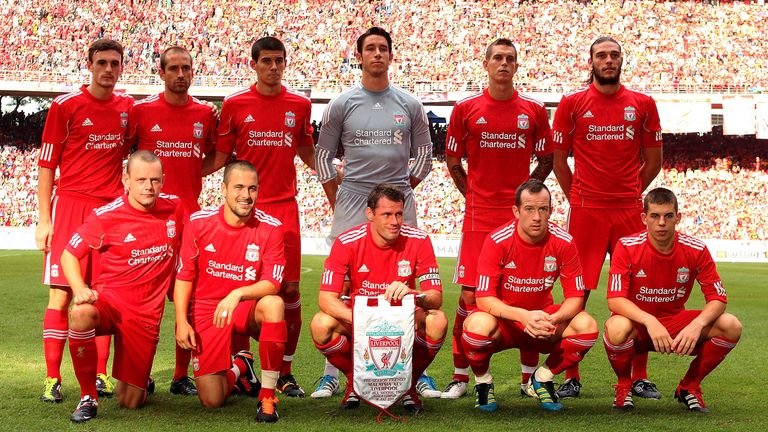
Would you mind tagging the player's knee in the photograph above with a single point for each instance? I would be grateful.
(131, 399)
(480, 322)
(321, 328)
(584, 323)
(618, 329)
(209, 400)
(437, 322)
(729, 326)
(82, 317)
(271, 307)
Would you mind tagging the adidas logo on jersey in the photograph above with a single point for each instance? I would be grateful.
(377, 106)
(481, 120)
(640, 274)
(129, 238)
(363, 269)
(511, 265)
(588, 114)
(210, 248)
(87, 122)
(249, 119)
(156, 128)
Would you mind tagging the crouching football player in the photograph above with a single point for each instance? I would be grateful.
(650, 280)
(518, 266)
(230, 270)
(381, 257)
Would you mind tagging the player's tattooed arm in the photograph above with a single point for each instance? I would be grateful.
(458, 174)
(543, 167)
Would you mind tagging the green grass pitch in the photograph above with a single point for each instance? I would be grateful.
(732, 391)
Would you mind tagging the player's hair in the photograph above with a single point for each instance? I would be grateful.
(384, 190)
(105, 45)
(532, 186)
(144, 156)
(240, 165)
(171, 50)
(659, 196)
(374, 31)
(267, 43)
(592, 51)
(497, 42)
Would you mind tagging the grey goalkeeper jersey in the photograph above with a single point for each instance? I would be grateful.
(380, 132)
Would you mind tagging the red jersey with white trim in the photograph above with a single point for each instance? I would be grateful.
(180, 135)
(658, 283)
(85, 138)
(138, 250)
(523, 274)
(265, 131)
(498, 137)
(606, 134)
(221, 258)
(372, 268)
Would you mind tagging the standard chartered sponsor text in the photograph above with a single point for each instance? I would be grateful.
(225, 270)
(604, 133)
(268, 138)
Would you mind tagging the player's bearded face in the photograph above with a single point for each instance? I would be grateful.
(533, 215)
(240, 192)
(386, 220)
(661, 220)
(144, 182)
(606, 62)
(177, 74)
(106, 68)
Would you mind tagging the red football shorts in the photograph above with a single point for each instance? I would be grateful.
(465, 273)
(673, 323)
(514, 336)
(136, 338)
(287, 212)
(214, 344)
(68, 213)
(596, 231)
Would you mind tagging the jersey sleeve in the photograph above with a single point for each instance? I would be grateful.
(227, 132)
(543, 134)
(328, 143)
(427, 271)
(305, 136)
(336, 268)
(620, 273)
(651, 136)
(563, 126)
(570, 273)
(421, 142)
(210, 139)
(55, 135)
(489, 269)
(90, 235)
(187, 264)
(273, 265)
(455, 139)
(709, 279)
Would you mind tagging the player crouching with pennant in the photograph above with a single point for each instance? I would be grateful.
(650, 281)
(383, 257)
(519, 264)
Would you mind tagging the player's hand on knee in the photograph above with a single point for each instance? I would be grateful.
(226, 307)
(686, 341)
(185, 336)
(396, 291)
(85, 295)
(662, 342)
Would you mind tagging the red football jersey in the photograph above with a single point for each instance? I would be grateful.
(180, 136)
(372, 268)
(221, 257)
(498, 138)
(265, 131)
(138, 250)
(85, 138)
(522, 274)
(606, 134)
(660, 284)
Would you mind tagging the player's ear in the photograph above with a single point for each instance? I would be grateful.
(369, 213)
(252, 63)
(125, 180)
(516, 212)
(644, 218)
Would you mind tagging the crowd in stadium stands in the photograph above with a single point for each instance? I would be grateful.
(678, 43)
(722, 183)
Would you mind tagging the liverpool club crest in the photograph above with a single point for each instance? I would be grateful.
(629, 113)
(384, 355)
(290, 119)
(550, 264)
(123, 119)
(523, 122)
(197, 130)
(398, 119)
(683, 275)
(404, 268)
(171, 228)
(252, 252)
